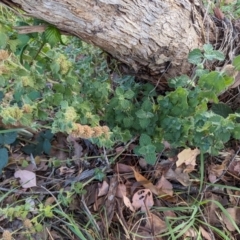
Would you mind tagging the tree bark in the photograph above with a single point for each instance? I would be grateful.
(150, 36)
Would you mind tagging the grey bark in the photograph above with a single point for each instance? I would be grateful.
(146, 35)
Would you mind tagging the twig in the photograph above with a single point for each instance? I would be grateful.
(26, 193)
(89, 214)
(225, 170)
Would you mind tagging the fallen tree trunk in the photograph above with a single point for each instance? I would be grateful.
(150, 36)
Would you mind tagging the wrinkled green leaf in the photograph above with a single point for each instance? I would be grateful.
(52, 35)
(8, 138)
(236, 62)
(144, 139)
(195, 56)
(47, 146)
(3, 158)
(221, 109)
(3, 40)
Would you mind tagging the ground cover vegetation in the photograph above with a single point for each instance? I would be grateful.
(89, 153)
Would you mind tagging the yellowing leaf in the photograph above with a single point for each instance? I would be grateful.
(146, 183)
(187, 156)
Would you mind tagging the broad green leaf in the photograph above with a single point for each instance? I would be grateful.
(221, 109)
(125, 104)
(128, 122)
(119, 91)
(212, 81)
(147, 105)
(144, 123)
(144, 115)
(33, 95)
(144, 139)
(129, 94)
(212, 55)
(207, 47)
(52, 35)
(236, 131)
(195, 56)
(181, 81)
(13, 44)
(3, 40)
(48, 135)
(150, 158)
(3, 158)
(99, 174)
(228, 80)
(55, 67)
(1, 95)
(64, 104)
(200, 72)
(57, 98)
(8, 138)
(236, 62)
(150, 149)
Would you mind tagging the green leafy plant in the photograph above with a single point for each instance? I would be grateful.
(43, 144)
(146, 149)
(57, 84)
(6, 138)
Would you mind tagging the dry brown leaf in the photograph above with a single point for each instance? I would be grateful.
(236, 81)
(205, 234)
(211, 209)
(119, 149)
(169, 214)
(182, 177)
(146, 183)
(123, 168)
(156, 224)
(146, 236)
(164, 185)
(190, 233)
(110, 199)
(178, 175)
(216, 170)
(189, 168)
(187, 156)
(50, 201)
(128, 203)
(234, 167)
(63, 170)
(103, 188)
(27, 178)
(142, 199)
(142, 162)
(233, 198)
(234, 213)
(229, 1)
(121, 190)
